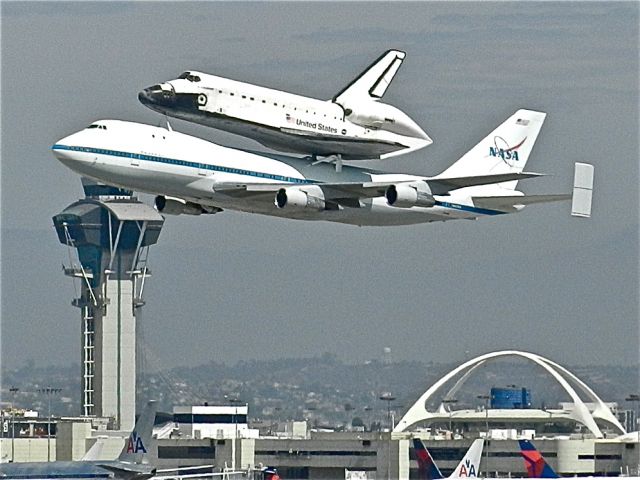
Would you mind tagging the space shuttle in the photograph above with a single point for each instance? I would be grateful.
(353, 125)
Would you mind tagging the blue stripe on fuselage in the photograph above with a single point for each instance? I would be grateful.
(239, 171)
(185, 163)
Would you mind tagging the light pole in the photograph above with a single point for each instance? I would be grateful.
(388, 397)
(234, 400)
(448, 402)
(49, 391)
(13, 391)
(486, 399)
(635, 398)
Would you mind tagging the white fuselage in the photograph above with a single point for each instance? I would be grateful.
(364, 129)
(163, 162)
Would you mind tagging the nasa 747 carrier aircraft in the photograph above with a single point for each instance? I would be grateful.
(352, 125)
(193, 176)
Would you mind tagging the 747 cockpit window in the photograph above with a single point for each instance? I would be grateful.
(190, 77)
(95, 125)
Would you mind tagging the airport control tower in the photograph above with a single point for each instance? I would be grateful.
(108, 234)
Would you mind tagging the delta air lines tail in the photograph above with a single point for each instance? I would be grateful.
(536, 465)
(468, 467)
(427, 468)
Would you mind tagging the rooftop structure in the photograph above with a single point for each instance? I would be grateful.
(593, 414)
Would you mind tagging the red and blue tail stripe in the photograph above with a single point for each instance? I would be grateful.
(536, 465)
(427, 468)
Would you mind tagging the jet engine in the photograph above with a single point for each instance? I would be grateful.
(407, 195)
(178, 206)
(299, 198)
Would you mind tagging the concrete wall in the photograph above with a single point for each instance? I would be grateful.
(27, 449)
(115, 356)
(71, 440)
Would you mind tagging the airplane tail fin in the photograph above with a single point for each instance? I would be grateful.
(505, 150)
(469, 466)
(136, 447)
(427, 468)
(373, 82)
(536, 465)
(95, 452)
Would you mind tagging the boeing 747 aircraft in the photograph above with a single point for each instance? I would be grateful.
(353, 125)
(132, 464)
(193, 176)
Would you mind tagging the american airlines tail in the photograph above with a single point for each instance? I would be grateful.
(536, 465)
(468, 467)
(505, 150)
(136, 447)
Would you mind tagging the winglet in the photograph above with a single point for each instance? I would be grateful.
(536, 465)
(582, 190)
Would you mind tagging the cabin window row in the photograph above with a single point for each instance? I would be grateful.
(184, 163)
(275, 104)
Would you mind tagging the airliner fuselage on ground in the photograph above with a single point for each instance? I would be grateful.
(132, 464)
(353, 125)
(193, 176)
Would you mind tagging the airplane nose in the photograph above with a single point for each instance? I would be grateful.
(66, 150)
(157, 96)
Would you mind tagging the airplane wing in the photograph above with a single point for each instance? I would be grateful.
(129, 472)
(348, 192)
(514, 203)
(443, 185)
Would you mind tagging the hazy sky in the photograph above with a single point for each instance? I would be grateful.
(235, 285)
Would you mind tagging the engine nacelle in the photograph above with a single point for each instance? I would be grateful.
(407, 195)
(178, 206)
(300, 198)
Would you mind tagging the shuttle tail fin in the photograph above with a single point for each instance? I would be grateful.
(536, 465)
(505, 150)
(427, 468)
(469, 466)
(374, 81)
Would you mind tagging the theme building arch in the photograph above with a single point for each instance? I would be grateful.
(580, 413)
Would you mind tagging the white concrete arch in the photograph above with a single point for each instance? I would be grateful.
(418, 412)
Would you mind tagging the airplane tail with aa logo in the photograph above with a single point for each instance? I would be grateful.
(469, 466)
(136, 446)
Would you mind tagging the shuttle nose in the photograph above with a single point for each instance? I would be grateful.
(157, 96)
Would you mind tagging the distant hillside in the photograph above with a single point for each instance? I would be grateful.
(322, 389)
